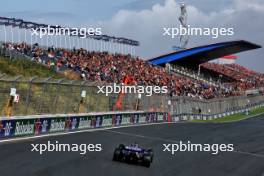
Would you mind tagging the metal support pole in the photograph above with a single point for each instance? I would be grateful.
(5, 32)
(12, 37)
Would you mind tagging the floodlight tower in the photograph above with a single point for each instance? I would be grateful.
(184, 39)
(183, 20)
(183, 16)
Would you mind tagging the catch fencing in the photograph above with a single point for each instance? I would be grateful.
(57, 96)
(62, 96)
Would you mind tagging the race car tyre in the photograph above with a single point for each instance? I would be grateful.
(133, 158)
(121, 146)
(146, 160)
(151, 153)
(117, 155)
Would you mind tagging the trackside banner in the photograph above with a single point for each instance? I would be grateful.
(27, 126)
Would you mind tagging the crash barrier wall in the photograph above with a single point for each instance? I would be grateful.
(40, 125)
(195, 116)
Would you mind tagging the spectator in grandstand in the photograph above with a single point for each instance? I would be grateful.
(106, 67)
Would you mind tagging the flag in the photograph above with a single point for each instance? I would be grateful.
(230, 59)
(51, 55)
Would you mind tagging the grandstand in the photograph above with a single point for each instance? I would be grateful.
(190, 74)
(74, 103)
(109, 68)
(196, 63)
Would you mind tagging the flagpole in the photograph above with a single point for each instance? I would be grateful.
(40, 42)
(110, 47)
(101, 48)
(19, 35)
(25, 35)
(47, 40)
(60, 41)
(65, 42)
(5, 32)
(86, 45)
(36, 39)
(70, 42)
(31, 40)
(12, 39)
(56, 41)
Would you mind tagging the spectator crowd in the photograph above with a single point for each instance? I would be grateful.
(111, 68)
(243, 78)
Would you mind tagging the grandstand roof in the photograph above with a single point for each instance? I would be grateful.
(202, 54)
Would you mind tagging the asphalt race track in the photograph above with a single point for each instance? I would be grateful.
(16, 157)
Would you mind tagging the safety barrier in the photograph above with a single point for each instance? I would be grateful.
(45, 124)
(191, 116)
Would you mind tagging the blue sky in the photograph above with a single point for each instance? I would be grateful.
(77, 11)
(143, 20)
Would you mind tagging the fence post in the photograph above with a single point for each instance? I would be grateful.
(28, 94)
(56, 97)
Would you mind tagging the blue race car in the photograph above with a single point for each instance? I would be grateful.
(133, 154)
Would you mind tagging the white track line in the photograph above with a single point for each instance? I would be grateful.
(175, 141)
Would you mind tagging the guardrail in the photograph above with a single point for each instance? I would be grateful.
(45, 124)
(191, 116)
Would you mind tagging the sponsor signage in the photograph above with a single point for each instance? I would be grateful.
(71, 123)
(151, 117)
(42, 126)
(107, 120)
(142, 118)
(7, 128)
(39, 126)
(134, 118)
(13, 92)
(161, 117)
(24, 127)
(16, 98)
(117, 119)
(125, 119)
(83, 94)
(57, 124)
(97, 121)
(84, 122)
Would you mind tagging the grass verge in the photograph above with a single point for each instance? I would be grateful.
(25, 68)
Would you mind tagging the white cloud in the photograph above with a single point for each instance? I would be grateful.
(246, 16)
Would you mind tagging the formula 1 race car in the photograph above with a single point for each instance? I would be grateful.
(133, 154)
